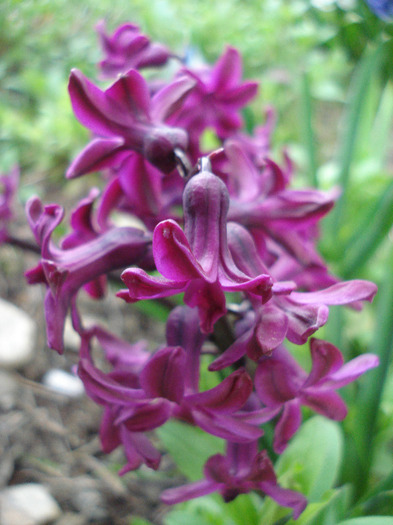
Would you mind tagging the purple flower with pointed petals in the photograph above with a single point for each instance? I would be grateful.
(196, 261)
(218, 96)
(242, 470)
(126, 118)
(283, 385)
(136, 403)
(128, 48)
(289, 314)
(65, 271)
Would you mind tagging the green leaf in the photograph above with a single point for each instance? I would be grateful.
(370, 394)
(359, 92)
(312, 460)
(140, 521)
(313, 510)
(309, 465)
(370, 520)
(182, 517)
(372, 231)
(189, 447)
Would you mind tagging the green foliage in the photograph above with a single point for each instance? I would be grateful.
(192, 449)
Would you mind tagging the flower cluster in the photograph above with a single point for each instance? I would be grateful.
(222, 227)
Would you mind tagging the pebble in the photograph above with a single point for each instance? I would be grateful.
(8, 391)
(17, 336)
(27, 504)
(63, 382)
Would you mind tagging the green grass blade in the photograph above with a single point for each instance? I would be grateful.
(370, 234)
(308, 130)
(372, 386)
(360, 88)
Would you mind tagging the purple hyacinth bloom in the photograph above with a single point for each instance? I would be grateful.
(127, 48)
(283, 385)
(65, 271)
(288, 314)
(137, 399)
(217, 99)
(196, 261)
(240, 471)
(8, 187)
(126, 119)
(382, 8)
(278, 218)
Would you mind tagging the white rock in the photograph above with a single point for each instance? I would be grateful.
(63, 382)
(17, 336)
(31, 501)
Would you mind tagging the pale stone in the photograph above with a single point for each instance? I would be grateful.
(17, 336)
(63, 383)
(31, 502)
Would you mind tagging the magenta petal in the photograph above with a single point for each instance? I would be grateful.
(351, 371)
(324, 402)
(228, 70)
(92, 107)
(225, 427)
(210, 301)
(287, 425)
(170, 98)
(232, 354)
(243, 180)
(130, 95)
(205, 204)
(326, 358)
(138, 450)
(270, 332)
(163, 375)
(172, 253)
(190, 491)
(142, 286)
(341, 293)
(240, 95)
(109, 433)
(104, 389)
(227, 397)
(285, 497)
(146, 415)
(141, 183)
(97, 155)
(43, 220)
(276, 382)
(303, 319)
(243, 250)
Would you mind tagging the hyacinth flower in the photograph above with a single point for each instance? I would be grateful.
(289, 314)
(240, 471)
(278, 218)
(283, 385)
(217, 98)
(139, 398)
(126, 119)
(127, 48)
(196, 261)
(382, 8)
(65, 271)
(138, 189)
(8, 187)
